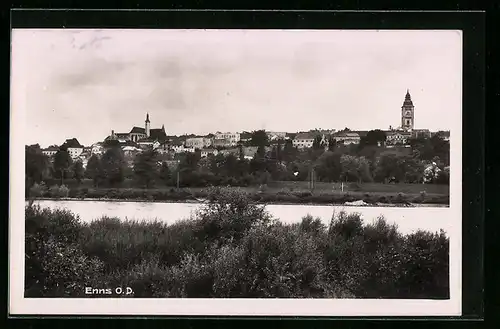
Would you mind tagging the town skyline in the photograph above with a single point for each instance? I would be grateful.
(91, 82)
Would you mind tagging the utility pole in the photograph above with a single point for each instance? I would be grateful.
(178, 179)
(311, 179)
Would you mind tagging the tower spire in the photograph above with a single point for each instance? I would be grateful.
(147, 125)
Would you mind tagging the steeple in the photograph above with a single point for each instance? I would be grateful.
(408, 101)
(147, 126)
(407, 113)
(163, 127)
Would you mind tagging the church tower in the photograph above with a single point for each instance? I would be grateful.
(147, 125)
(407, 113)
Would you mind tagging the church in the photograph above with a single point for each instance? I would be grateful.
(139, 134)
(402, 134)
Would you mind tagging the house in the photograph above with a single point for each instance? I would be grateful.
(249, 152)
(50, 151)
(445, 135)
(304, 140)
(245, 136)
(83, 158)
(97, 148)
(130, 150)
(199, 142)
(207, 152)
(347, 137)
(234, 151)
(226, 139)
(273, 135)
(397, 137)
(73, 147)
(148, 143)
(421, 133)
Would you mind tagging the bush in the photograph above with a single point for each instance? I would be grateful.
(232, 248)
(38, 190)
(55, 266)
(56, 191)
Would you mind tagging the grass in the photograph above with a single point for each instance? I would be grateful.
(281, 192)
(232, 248)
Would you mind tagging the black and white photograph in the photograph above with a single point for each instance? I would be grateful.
(236, 172)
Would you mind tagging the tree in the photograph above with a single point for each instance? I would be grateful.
(317, 143)
(231, 166)
(94, 170)
(165, 174)
(113, 166)
(289, 151)
(241, 153)
(332, 144)
(373, 138)
(36, 164)
(328, 167)
(189, 162)
(145, 168)
(355, 169)
(259, 138)
(78, 171)
(62, 164)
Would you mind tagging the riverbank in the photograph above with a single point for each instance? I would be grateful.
(359, 203)
(197, 195)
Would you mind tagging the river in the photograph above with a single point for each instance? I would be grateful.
(407, 219)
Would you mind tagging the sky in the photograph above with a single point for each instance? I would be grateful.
(85, 83)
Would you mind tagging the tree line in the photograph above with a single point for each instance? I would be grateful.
(368, 161)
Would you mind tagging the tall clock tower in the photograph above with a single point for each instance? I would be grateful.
(407, 113)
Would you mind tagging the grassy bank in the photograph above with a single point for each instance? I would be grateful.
(263, 195)
(232, 248)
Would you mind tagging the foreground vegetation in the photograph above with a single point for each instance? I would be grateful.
(232, 248)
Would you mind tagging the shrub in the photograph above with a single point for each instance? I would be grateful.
(38, 190)
(233, 248)
(59, 191)
(55, 266)
(228, 215)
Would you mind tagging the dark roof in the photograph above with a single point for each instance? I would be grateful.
(110, 143)
(158, 134)
(138, 130)
(361, 133)
(72, 142)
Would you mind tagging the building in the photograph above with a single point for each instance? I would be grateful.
(51, 150)
(397, 138)
(73, 147)
(233, 151)
(198, 142)
(445, 135)
(249, 152)
(97, 149)
(304, 140)
(407, 113)
(130, 150)
(206, 152)
(139, 133)
(226, 139)
(245, 136)
(148, 143)
(421, 133)
(274, 135)
(347, 137)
